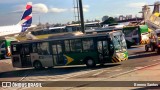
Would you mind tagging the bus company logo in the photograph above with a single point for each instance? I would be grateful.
(6, 84)
(21, 84)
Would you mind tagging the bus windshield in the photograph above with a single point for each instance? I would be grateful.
(119, 42)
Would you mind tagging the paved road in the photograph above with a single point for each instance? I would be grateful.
(137, 59)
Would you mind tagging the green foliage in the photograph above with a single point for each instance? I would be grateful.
(110, 20)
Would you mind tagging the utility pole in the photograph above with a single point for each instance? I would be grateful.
(81, 15)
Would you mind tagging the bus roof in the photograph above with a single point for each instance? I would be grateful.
(65, 37)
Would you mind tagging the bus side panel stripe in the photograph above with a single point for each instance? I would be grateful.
(115, 59)
(118, 59)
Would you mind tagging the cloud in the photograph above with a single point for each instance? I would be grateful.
(57, 10)
(40, 8)
(136, 5)
(86, 8)
(37, 8)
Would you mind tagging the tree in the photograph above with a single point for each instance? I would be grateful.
(68, 23)
(97, 20)
(76, 22)
(110, 20)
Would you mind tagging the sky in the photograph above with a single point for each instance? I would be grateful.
(61, 11)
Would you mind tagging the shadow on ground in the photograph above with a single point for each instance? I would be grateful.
(51, 71)
(143, 54)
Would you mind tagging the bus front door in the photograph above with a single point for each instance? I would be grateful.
(103, 51)
(25, 55)
(57, 54)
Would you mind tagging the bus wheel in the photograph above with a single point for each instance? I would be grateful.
(152, 48)
(90, 62)
(37, 65)
(146, 48)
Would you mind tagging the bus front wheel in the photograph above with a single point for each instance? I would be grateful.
(37, 65)
(90, 62)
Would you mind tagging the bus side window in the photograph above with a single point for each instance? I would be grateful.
(59, 49)
(67, 47)
(78, 45)
(15, 49)
(88, 44)
(105, 47)
(72, 45)
(34, 46)
(99, 46)
(43, 48)
(75, 45)
(135, 32)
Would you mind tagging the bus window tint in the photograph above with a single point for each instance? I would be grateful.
(124, 46)
(34, 46)
(43, 48)
(78, 45)
(116, 43)
(99, 44)
(135, 32)
(105, 47)
(26, 49)
(75, 45)
(59, 49)
(15, 49)
(119, 42)
(72, 45)
(88, 44)
(67, 49)
(54, 49)
(128, 33)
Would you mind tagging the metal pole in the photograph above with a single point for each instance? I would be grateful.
(81, 15)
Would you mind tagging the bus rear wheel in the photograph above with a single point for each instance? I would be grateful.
(37, 65)
(90, 62)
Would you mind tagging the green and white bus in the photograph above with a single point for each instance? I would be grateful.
(70, 49)
(136, 35)
(5, 47)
